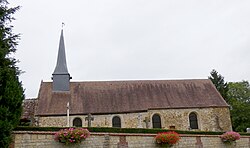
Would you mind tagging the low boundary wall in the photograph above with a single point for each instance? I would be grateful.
(40, 139)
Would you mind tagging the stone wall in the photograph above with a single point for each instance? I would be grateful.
(209, 119)
(27, 139)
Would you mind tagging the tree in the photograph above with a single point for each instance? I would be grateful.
(240, 91)
(237, 95)
(11, 91)
(220, 84)
(239, 99)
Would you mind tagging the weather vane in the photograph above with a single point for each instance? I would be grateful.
(63, 25)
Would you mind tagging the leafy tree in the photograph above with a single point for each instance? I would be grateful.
(11, 91)
(240, 91)
(239, 94)
(220, 84)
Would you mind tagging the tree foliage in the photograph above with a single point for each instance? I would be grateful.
(239, 94)
(220, 84)
(11, 91)
(240, 91)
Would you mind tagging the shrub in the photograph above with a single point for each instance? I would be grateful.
(71, 135)
(230, 137)
(120, 130)
(167, 138)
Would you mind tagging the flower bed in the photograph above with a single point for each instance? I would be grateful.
(167, 139)
(230, 137)
(71, 135)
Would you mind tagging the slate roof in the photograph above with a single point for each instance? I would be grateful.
(61, 65)
(102, 97)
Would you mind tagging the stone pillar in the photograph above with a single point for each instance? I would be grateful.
(12, 145)
(198, 143)
(249, 142)
(68, 114)
(122, 142)
(106, 141)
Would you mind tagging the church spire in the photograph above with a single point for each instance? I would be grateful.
(61, 66)
(61, 75)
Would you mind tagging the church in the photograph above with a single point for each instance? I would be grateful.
(192, 104)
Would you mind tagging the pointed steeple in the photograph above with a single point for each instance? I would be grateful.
(61, 77)
(61, 66)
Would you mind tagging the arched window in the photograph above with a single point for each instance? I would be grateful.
(156, 121)
(116, 121)
(77, 122)
(193, 121)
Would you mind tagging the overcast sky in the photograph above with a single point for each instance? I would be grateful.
(133, 39)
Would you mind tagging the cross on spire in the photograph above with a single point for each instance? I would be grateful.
(63, 24)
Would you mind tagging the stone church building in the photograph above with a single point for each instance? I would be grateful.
(170, 104)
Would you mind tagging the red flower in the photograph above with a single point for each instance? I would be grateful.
(170, 138)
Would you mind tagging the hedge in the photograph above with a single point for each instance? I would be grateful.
(119, 130)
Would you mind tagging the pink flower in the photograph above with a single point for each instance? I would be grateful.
(71, 135)
(230, 136)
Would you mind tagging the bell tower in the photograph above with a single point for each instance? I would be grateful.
(61, 77)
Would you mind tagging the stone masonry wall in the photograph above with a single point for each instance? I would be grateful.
(209, 119)
(27, 139)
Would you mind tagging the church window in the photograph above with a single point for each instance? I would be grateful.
(116, 121)
(156, 121)
(193, 121)
(77, 122)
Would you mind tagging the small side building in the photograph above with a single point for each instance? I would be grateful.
(28, 115)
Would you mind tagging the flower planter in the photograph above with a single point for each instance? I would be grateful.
(229, 138)
(72, 136)
(167, 139)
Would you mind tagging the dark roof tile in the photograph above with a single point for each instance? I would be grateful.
(100, 97)
(29, 107)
